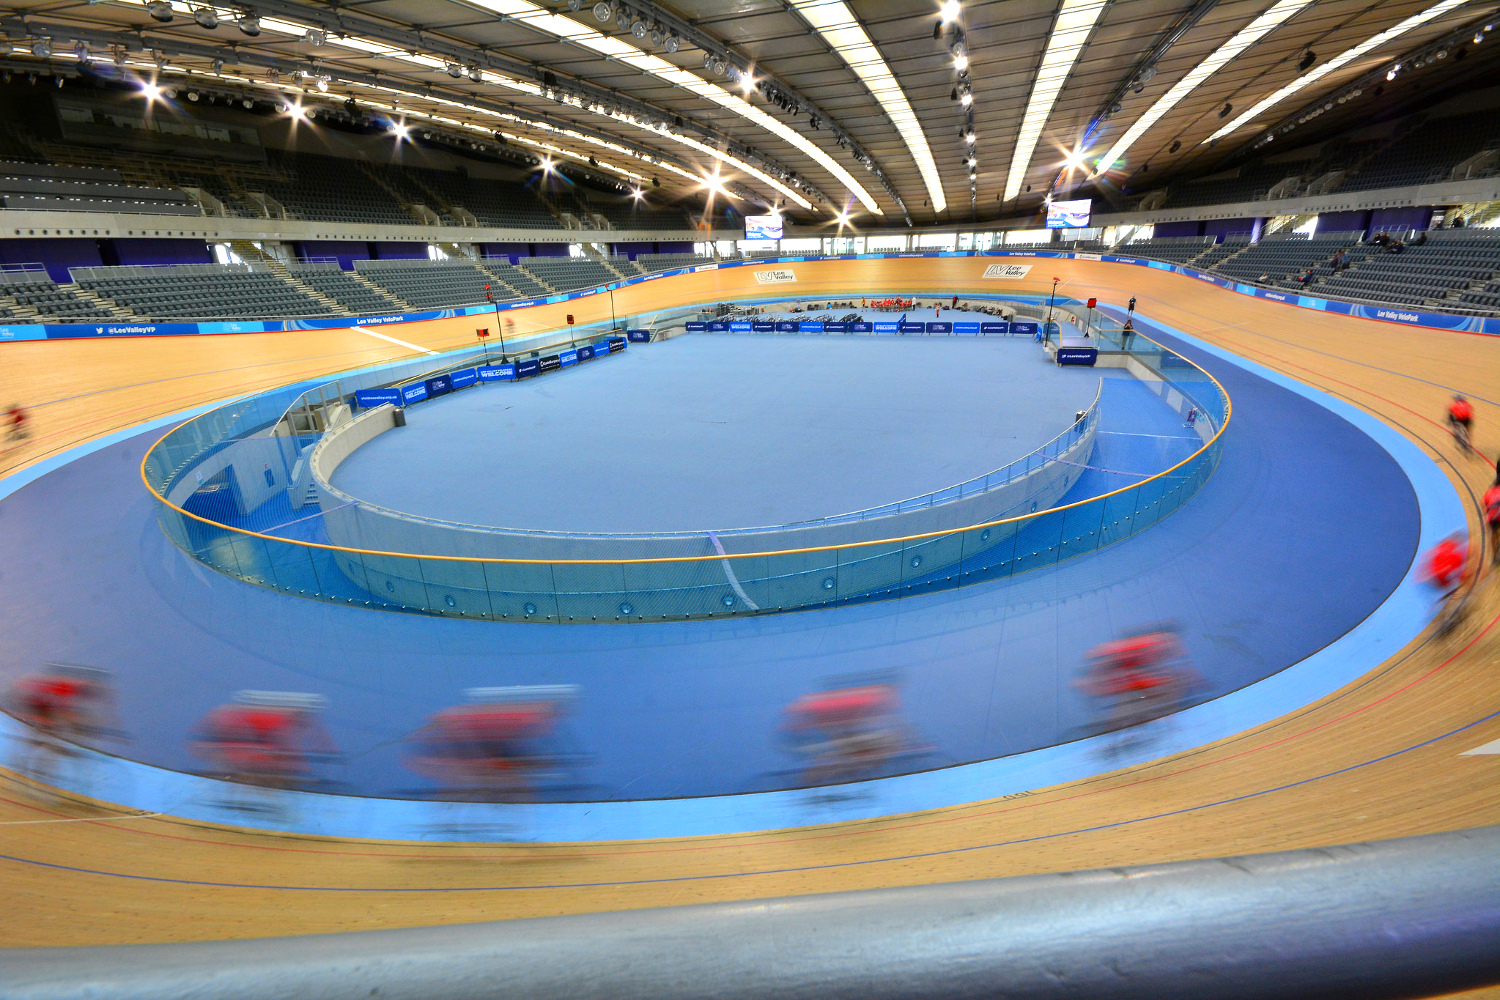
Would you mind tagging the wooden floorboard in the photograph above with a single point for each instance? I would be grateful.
(1269, 789)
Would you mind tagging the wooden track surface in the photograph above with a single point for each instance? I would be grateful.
(1378, 759)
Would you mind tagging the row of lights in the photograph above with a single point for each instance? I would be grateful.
(963, 87)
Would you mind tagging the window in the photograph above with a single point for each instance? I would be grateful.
(937, 241)
(878, 244)
(224, 255)
(435, 252)
(1028, 236)
(575, 249)
(806, 245)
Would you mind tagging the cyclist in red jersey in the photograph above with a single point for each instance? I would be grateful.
(1461, 421)
(495, 748)
(17, 417)
(1139, 677)
(265, 738)
(1443, 569)
(848, 733)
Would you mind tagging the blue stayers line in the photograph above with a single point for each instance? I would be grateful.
(772, 871)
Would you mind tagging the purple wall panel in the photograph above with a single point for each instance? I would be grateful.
(1168, 230)
(1220, 228)
(58, 255)
(160, 251)
(1386, 219)
(1343, 222)
(399, 251)
(345, 252)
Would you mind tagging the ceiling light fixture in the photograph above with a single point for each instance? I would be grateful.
(1253, 32)
(1075, 22)
(1342, 59)
(249, 24)
(949, 11)
(838, 26)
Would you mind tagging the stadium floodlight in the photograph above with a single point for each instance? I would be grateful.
(1337, 62)
(622, 49)
(150, 91)
(1277, 15)
(949, 11)
(160, 10)
(843, 32)
(206, 17)
(1075, 22)
(249, 24)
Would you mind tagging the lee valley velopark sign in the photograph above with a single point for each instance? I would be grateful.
(1007, 270)
(774, 277)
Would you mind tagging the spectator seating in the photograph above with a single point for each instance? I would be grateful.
(1448, 262)
(43, 187)
(1282, 256)
(627, 267)
(568, 274)
(329, 189)
(431, 284)
(522, 285)
(1175, 249)
(1427, 153)
(650, 262)
(347, 290)
(1211, 257)
(34, 289)
(200, 291)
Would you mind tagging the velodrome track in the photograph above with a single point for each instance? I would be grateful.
(1381, 758)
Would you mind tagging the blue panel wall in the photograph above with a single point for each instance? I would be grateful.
(1386, 219)
(511, 250)
(58, 255)
(549, 249)
(157, 251)
(346, 252)
(399, 251)
(1167, 230)
(1343, 222)
(1220, 228)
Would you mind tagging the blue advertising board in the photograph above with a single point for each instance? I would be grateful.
(739, 326)
(835, 327)
(586, 353)
(809, 326)
(861, 327)
(1077, 355)
(439, 385)
(696, 326)
(466, 377)
(718, 326)
(966, 328)
(786, 326)
(639, 336)
(497, 373)
(886, 327)
(939, 327)
(366, 398)
(414, 393)
(568, 357)
(763, 326)
(994, 327)
(1025, 327)
(905, 327)
(528, 368)
(615, 344)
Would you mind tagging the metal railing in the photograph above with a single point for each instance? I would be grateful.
(1414, 917)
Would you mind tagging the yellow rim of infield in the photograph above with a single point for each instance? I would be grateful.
(1228, 413)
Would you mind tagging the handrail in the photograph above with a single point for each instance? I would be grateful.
(1413, 917)
(714, 557)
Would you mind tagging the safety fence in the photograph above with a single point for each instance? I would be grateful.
(473, 574)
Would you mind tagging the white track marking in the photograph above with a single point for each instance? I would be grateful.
(82, 819)
(1492, 747)
(393, 340)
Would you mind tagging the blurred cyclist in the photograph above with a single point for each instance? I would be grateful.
(1444, 569)
(1460, 421)
(16, 419)
(1491, 504)
(494, 748)
(1139, 677)
(265, 738)
(848, 733)
(67, 702)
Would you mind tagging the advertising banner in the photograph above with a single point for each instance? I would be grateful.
(639, 336)
(861, 327)
(835, 327)
(414, 393)
(439, 385)
(367, 398)
(967, 328)
(528, 368)
(1026, 328)
(696, 326)
(939, 327)
(775, 277)
(809, 326)
(586, 353)
(718, 326)
(994, 327)
(786, 326)
(911, 328)
(615, 344)
(763, 326)
(1011, 271)
(497, 373)
(739, 326)
(569, 357)
(550, 363)
(1077, 355)
(886, 327)
(464, 378)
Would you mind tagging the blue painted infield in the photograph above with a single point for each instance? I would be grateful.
(720, 431)
(951, 647)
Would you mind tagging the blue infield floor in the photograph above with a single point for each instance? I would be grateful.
(1245, 568)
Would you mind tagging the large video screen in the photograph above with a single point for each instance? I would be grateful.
(1069, 214)
(762, 227)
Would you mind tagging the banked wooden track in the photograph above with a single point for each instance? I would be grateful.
(1278, 787)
